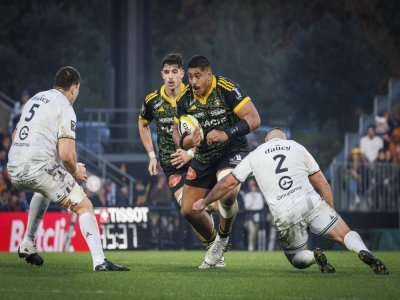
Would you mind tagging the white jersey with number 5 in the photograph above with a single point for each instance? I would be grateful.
(281, 168)
(46, 117)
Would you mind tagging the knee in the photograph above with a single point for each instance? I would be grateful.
(228, 210)
(83, 207)
(186, 212)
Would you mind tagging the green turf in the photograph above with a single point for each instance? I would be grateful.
(174, 275)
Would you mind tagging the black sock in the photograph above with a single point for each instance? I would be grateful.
(223, 234)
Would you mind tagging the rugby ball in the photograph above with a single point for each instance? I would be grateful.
(188, 123)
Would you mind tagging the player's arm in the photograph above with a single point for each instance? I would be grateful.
(322, 186)
(249, 121)
(145, 136)
(67, 153)
(229, 182)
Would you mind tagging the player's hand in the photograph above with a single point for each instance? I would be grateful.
(180, 158)
(193, 140)
(80, 173)
(153, 166)
(199, 205)
(215, 136)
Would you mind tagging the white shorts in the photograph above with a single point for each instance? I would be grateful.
(320, 220)
(52, 181)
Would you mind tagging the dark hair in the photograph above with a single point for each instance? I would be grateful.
(371, 126)
(172, 59)
(66, 77)
(199, 61)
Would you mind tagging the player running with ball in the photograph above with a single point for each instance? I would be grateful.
(226, 115)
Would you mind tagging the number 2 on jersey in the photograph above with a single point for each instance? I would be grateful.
(279, 168)
(32, 111)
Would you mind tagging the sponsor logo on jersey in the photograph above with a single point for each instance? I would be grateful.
(21, 144)
(161, 109)
(73, 126)
(168, 129)
(28, 182)
(143, 110)
(40, 98)
(217, 103)
(238, 94)
(173, 180)
(23, 133)
(199, 115)
(193, 101)
(297, 188)
(191, 174)
(235, 160)
(218, 112)
(277, 148)
(158, 104)
(166, 120)
(192, 108)
(214, 122)
(285, 182)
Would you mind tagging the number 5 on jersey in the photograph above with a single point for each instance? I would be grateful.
(32, 111)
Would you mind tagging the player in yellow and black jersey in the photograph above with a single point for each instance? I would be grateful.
(160, 107)
(226, 115)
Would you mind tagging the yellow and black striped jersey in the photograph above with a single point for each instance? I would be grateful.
(216, 110)
(159, 107)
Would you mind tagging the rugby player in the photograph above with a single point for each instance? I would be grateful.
(299, 198)
(45, 131)
(160, 107)
(226, 115)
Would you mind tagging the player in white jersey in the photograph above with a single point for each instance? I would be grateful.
(45, 132)
(299, 198)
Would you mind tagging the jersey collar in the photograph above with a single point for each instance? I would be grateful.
(164, 95)
(203, 100)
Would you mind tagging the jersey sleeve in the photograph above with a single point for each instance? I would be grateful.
(242, 170)
(146, 113)
(234, 94)
(311, 164)
(67, 128)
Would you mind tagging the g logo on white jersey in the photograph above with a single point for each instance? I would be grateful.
(285, 183)
(23, 133)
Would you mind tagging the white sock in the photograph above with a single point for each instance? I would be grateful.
(91, 233)
(37, 209)
(303, 259)
(354, 242)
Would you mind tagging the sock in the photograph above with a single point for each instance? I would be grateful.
(213, 236)
(354, 242)
(303, 259)
(91, 233)
(37, 209)
(222, 234)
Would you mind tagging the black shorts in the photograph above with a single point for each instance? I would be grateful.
(204, 175)
(175, 177)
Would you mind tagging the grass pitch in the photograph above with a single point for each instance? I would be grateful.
(175, 275)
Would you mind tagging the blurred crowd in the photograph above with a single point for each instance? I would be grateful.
(372, 175)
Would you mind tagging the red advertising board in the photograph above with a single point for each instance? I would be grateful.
(51, 235)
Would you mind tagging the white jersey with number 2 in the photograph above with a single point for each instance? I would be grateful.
(46, 117)
(281, 168)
